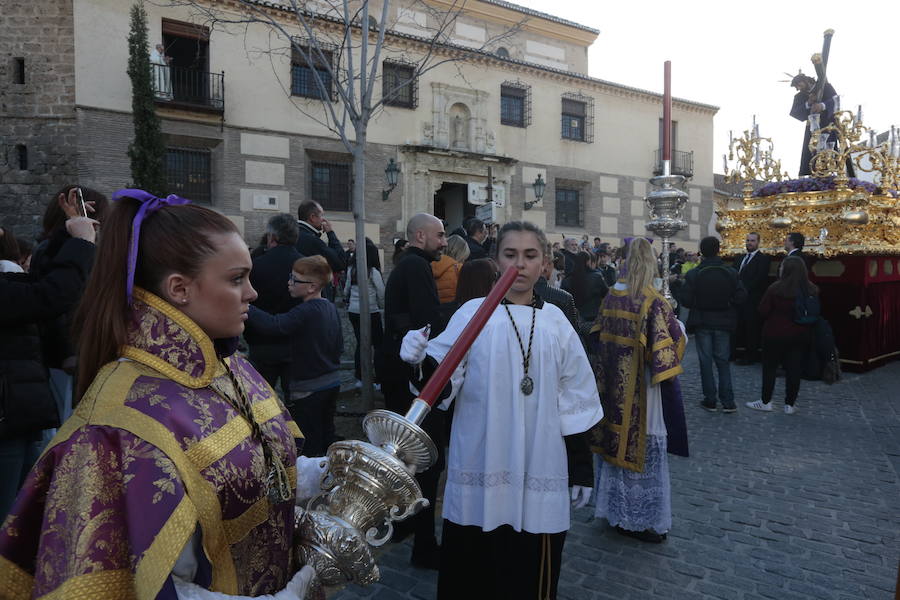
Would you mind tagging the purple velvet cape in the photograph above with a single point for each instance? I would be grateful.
(153, 451)
(631, 335)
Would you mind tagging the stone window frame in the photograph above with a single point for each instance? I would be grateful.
(391, 92)
(336, 194)
(516, 89)
(569, 111)
(569, 187)
(193, 176)
(323, 56)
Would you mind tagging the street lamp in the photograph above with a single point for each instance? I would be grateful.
(538, 186)
(390, 175)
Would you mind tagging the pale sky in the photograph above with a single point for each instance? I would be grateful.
(733, 54)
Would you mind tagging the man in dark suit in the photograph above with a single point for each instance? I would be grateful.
(753, 270)
(477, 239)
(271, 355)
(411, 302)
(313, 224)
(793, 246)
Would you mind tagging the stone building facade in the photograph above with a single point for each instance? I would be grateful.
(38, 130)
(254, 144)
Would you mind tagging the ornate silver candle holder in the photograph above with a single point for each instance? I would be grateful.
(367, 487)
(666, 204)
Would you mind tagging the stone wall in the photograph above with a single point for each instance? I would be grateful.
(38, 114)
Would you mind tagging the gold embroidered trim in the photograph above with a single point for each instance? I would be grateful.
(663, 344)
(159, 559)
(201, 491)
(14, 580)
(267, 409)
(216, 445)
(237, 528)
(294, 429)
(667, 374)
(624, 314)
(608, 337)
(197, 335)
(91, 586)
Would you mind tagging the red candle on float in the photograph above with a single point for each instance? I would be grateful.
(444, 370)
(667, 111)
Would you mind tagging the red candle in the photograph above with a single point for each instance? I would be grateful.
(444, 370)
(667, 111)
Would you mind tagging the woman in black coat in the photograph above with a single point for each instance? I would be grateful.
(27, 405)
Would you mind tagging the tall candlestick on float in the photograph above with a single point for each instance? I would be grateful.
(369, 486)
(667, 202)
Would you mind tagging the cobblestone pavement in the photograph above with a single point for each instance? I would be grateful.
(768, 506)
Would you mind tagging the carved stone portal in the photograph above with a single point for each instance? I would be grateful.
(459, 120)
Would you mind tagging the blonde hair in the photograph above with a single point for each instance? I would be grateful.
(457, 248)
(640, 267)
(315, 268)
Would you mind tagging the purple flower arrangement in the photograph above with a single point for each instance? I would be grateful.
(816, 184)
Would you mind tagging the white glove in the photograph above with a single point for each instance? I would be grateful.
(296, 589)
(580, 495)
(412, 349)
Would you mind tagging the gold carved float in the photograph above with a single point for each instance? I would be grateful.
(838, 215)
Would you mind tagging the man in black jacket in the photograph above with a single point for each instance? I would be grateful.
(411, 302)
(477, 239)
(271, 355)
(753, 268)
(313, 224)
(27, 405)
(713, 292)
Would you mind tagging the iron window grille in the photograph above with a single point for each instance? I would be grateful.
(577, 117)
(399, 84)
(309, 58)
(330, 185)
(515, 104)
(568, 207)
(189, 174)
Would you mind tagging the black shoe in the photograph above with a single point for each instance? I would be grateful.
(645, 536)
(427, 560)
(710, 408)
(729, 409)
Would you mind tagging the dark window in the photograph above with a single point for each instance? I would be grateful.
(188, 174)
(502, 52)
(568, 207)
(398, 84)
(330, 185)
(674, 132)
(19, 70)
(306, 62)
(573, 120)
(515, 104)
(22, 156)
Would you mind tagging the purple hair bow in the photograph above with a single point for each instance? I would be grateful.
(149, 205)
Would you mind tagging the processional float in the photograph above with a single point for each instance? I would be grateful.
(370, 485)
(851, 226)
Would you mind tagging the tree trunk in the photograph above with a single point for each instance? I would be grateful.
(362, 269)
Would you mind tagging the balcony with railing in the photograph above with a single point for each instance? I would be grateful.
(682, 163)
(190, 89)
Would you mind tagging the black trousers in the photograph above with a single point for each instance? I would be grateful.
(787, 352)
(377, 336)
(502, 564)
(749, 330)
(397, 398)
(314, 415)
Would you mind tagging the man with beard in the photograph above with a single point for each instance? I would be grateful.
(411, 302)
(753, 270)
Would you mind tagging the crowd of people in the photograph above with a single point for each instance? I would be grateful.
(148, 456)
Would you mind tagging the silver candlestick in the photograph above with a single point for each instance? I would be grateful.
(666, 204)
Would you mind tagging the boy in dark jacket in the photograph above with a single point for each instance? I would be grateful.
(314, 330)
(713, 291)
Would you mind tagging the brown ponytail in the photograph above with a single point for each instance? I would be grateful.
(174, 239)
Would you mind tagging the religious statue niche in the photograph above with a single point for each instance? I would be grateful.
(460, 118)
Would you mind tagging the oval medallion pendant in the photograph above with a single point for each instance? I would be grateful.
(527, 385)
